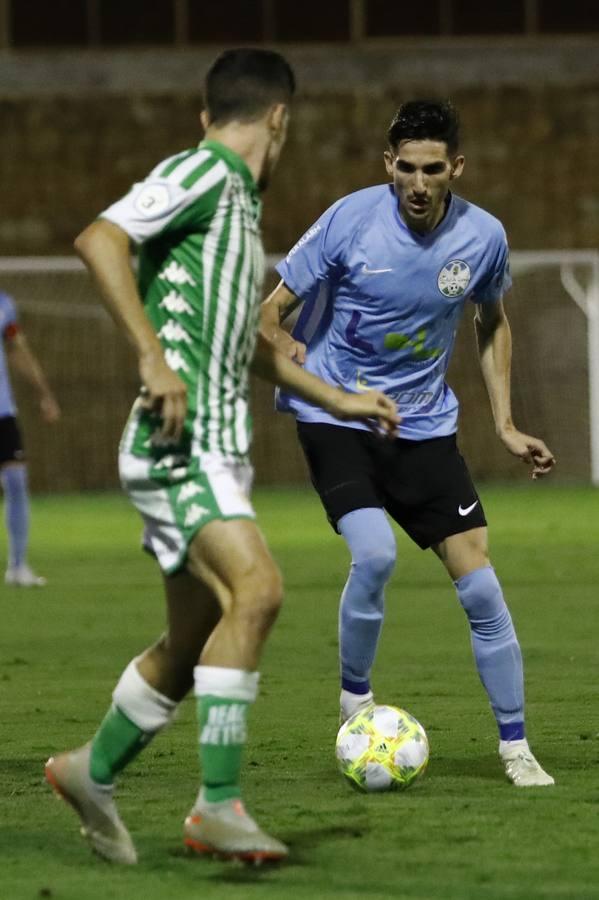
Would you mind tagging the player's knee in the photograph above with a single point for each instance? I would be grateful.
(480, 594)
(259, 602)
(372, 545)
(375, 566)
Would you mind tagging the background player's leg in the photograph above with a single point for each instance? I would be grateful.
(371, 542)
(14, 484)
(231, 557)
(495, 647)
(16, 498)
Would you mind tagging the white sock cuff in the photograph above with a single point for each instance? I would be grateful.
(229, 684)
(140, 702)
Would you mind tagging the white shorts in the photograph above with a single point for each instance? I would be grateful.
(175, 503)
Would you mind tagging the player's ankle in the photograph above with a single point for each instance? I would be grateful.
(511, 731)
(351, 702)
(222, 793)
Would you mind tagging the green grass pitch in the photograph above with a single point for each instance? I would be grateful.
(462, 833)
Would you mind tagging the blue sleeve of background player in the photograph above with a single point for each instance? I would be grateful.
(499, 280)
(315, 257)
(8, 313)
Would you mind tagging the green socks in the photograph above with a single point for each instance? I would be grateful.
(222, 738)
(139, 711)
(117, 742)
(223, 698)
(136, 715)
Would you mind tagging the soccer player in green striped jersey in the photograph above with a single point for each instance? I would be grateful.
(192, 318)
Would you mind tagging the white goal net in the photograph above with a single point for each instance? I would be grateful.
(553, 310)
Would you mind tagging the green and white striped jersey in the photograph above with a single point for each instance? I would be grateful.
(201, 268)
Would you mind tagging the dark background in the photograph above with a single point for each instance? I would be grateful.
(94, 92)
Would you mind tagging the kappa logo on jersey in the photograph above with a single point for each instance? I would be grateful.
(188, 491)
(454, 278)
(152, 200)
(174, 464)
(194, 514)
(175, 361)
(176, 274)
(175, 303)
(173, 331)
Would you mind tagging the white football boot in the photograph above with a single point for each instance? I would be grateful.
(521, 767)
(350, 704)
(23, 576)
(226, 830)
(101, 825)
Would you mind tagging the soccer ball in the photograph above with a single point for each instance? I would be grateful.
(382, 748)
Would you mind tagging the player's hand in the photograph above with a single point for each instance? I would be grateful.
(165, 393)
(287, 345)
(530, 450)
(50, 409)
(368, 405)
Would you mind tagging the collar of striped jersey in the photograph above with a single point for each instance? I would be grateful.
(233, 160)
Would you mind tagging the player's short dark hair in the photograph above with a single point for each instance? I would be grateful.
(241, 84)
(426, 120)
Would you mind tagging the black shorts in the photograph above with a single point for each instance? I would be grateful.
(11, 445)
(424, 485)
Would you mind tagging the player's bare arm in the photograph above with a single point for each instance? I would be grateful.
(105, 250)
(273, 312)
(23, 359)
(275, 366)
(494, 341)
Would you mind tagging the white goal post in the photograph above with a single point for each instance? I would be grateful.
(564, 358)
(586, 297)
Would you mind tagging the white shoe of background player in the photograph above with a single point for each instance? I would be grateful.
(23, 576)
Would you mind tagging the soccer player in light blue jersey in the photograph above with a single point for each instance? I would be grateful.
(385, 275)
(13, 470)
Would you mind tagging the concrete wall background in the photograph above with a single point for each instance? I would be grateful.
(79, 128)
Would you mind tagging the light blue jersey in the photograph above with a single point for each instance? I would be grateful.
(382, 303)
(8, 325)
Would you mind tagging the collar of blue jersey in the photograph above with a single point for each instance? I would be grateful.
(233, 160)
(441, 226)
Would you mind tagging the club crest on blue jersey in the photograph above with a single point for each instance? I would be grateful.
(454, 278)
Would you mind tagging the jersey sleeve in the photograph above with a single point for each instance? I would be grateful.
(315, 258)
(498, 280)
(9, 320)
(180, 201)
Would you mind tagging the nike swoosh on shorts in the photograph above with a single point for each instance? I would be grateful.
(464, 512)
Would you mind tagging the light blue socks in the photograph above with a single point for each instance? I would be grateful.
(16, 501)
(372, 545)
(496, 649)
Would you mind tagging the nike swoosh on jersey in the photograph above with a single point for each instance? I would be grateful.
(464, 512)
(367, 271)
